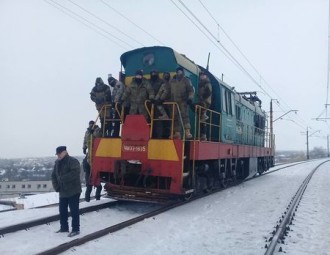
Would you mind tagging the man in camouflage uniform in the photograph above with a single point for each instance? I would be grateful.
(163, 95)
(117, 91)
(156, 82)
(101, 95)
(137, 93)
(204, 100)
(91, 132)
(182, 92)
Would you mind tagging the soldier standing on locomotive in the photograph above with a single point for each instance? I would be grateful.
(156, 82)
(137, 93)
(117, 91)
(204, 100)
(182, 92)
(101, 95)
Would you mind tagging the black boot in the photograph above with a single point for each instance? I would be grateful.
(88, 193)
(98, 192)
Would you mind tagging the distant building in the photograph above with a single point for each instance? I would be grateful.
(12, 188)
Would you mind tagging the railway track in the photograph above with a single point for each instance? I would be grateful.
(46, 220)
(113, 228)
(286, 218)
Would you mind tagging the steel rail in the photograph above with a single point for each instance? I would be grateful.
(45, 220)
(288, 214)
(111, 229)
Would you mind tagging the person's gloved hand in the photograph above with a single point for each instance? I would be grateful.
(85, 150)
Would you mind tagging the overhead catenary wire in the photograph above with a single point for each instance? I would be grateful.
(93, 24)
(232, 58)
(240, 51)
(133, 23)
(105, 22)
(82, 22)
(200, 30)
(237, 63)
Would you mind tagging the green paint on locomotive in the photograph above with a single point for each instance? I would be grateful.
(242, 121)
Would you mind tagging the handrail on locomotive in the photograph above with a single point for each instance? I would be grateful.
(255, 132)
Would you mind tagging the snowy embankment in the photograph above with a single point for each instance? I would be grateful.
(234, 221)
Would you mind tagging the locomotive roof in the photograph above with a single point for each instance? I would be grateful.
(180, 59)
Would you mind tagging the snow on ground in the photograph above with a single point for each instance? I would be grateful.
(311, 226)
(5, 207)
(237, 220)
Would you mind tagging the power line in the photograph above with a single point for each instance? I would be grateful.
(133, 23)
(224, 48)
(105, 22)
(239, 50)
(233, 59)
(89, 22)
(90, 27)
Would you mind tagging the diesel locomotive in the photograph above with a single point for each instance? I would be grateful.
(142, 165)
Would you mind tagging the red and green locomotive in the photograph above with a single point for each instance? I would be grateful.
(143, 165)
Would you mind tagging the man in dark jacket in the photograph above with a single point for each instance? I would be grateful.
(66, 181)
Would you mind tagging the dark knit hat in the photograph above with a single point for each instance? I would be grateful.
(112, 80)
(99, 81)
(60, 149)
(180, 68)
(139, 72)
(91, 122)
(154, 71)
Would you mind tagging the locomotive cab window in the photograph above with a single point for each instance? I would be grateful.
(227, 102)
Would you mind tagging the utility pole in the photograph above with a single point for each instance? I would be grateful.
(307, 138)
(271, 127)
(271, 123)
(328, 146)
(307, 155)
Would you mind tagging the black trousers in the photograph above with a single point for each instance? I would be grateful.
(73, 203)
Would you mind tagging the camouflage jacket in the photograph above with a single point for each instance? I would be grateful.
(181, 90)
(205, 92)
(137, 94)
(117, 91)
(101, 95)
(96, 132)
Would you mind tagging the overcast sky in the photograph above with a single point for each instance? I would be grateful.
(49, 61)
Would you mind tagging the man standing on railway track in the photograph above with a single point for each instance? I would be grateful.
(66, 181)
(91, 132)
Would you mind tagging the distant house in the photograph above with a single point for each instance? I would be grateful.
(10, 188)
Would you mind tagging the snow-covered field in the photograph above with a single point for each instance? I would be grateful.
(235, 221)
